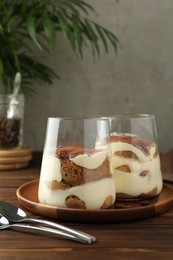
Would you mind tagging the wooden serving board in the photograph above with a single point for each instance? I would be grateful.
(121, 211)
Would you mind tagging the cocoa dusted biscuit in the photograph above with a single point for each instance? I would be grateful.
(152, 193)
(55, 185)
(74, 174)
(123, 168)
(77, 175)
(144, 173)
(107, 203)
(142, 144)
(63, 152)
(73, 201)
(126, 154)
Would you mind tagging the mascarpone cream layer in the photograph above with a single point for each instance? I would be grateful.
(50, 168)
(88, 161)
(136, 166)
(132, 183)
(93, 193)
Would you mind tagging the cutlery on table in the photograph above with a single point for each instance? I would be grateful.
(4, 223)
(15, 214)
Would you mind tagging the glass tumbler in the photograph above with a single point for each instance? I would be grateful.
(11, 121)
(74, 173)
(135, 156)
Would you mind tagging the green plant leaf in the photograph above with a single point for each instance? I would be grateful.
(64, 25)
(112, 39)
(25, 24)
(13, 22)
(1, 29)
(72, 42)
(107, 34)
(92, 36)
(1, 67)
(101, 34)
(78, 34)
(50, 31)
(66, 6)
(67, 31)
(83, 6)
(31, 26)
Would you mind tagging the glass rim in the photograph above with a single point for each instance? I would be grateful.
(129, 116)
(78, 118)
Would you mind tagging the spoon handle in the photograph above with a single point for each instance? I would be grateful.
(71, 231)
(60, 233)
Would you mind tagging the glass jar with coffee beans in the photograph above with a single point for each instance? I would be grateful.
(11, 116)
(11, 120)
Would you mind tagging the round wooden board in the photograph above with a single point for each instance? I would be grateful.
(20, 151)
(13, 166)
(27, 194)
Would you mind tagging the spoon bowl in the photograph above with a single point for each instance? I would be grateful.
(12, 212)
(15, 214)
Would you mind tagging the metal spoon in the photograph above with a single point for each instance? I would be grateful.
(15, 214)
(4, 223)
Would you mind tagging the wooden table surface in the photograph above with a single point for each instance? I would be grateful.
(150, 238)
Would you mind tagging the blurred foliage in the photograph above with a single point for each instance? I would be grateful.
(26, 24)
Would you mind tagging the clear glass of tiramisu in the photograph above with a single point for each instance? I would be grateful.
(135, 156)
(74, 173)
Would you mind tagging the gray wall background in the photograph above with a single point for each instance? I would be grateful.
(138, 80)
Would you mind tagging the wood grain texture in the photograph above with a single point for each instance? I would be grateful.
(151, 238)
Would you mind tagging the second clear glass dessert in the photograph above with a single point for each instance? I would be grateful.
(135, 156)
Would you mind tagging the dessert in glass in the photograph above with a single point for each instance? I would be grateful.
(74, 174)
(135, 156)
